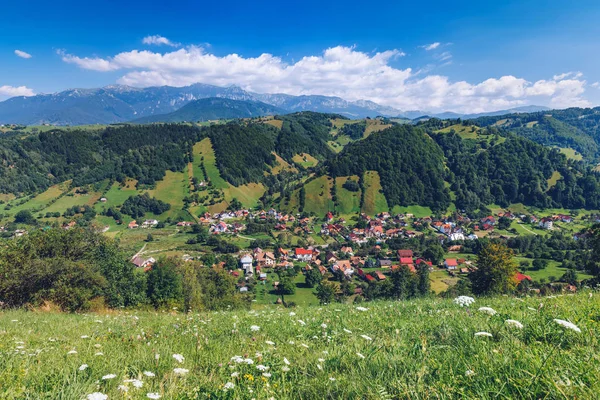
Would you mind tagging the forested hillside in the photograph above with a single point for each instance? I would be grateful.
(433, 164)
(577, 128)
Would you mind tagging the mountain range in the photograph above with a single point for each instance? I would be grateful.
(119, 103)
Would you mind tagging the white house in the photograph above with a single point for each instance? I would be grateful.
(246, 262)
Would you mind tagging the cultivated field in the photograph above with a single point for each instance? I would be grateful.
(413, 349)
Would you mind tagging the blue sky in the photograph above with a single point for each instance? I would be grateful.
(490, 55)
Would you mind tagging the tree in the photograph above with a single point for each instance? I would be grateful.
(149, 238)
(165, 286)
(424, 285)
(401, 282)
(25, 217)
(434, 253)
(313, 277)
(504, 223)
(325, 292)
(495, 272)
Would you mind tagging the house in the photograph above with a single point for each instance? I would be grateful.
(246, 264)
(456, 236)
(519, 277)
(369, 278)
(149, 223)
(450, 263)
(405, 254)
(185, 223)
(546, 223)
(103, 199)
(244, 289)
(344, 266)
(265, 259)
(329, 216)
(455, 248)
(221, 227)
(330, 258)
(347, 250)
(133, 225)
(143, 262)
(303, 254)
(384, 263)
(378, 275)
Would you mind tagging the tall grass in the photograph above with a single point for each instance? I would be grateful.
(415, 349)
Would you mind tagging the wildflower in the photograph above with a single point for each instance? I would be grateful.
(332, 379)
(72, 352)
(347, 330)
(360, 355)
(321, 360)
(514, 323)
(292, 313)
(154, 396)
(137, 383)
(270, 343)
(487, 310)
(483, 334)
(179, 358)
(469, 372)
(97, 345)
(266, 374)
(99, 354)
(366, 337)
(228, 386)
(83, 367)
(324, 325)
(248, 361)
(304, 345)
(320, 367)
(109, 376)
(156, 356)
(261, 367)
(255, 328)
(285, 369)
(362, 309)
(464, 301)
(97, 396)
(567, 325)
(301, 322)
(180, 371)
(286, 361)
(149, 374)
(85, 337)
(235, 374)
(123, 388)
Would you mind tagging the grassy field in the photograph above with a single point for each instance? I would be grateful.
(305, 160)
(571, 153)
(465, 132)
(375, 201)
(375, 125)
(172, 190)
(554, 179)
(318, 196)
(348, 202)
(414, 349)
(417, 211)
(204, 148)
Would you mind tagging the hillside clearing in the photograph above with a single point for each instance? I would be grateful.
(375, 201)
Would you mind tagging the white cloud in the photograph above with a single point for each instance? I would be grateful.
(159, 41)
(338, 71)
(12, 91)
(596, 85)
(22, 54)
(431, 46)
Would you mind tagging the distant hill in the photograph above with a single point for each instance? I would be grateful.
(214, 108)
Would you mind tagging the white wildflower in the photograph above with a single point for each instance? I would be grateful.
(261, 367)
(514, 323)
(464, 301)
(83, 367)
(255, 328)
(324, 325)
(123, 388)
(228, 386)
(97, 396)
(286, 361)
(99, 354)
(179, 358)
(180, 371)
(266, 374)
(360, 355)
(292, 314)
(235, 374)
(483, 334)
(362, 309)
(109, 376)
(469, 372)
(149, 374)
(285, 369)
(332, 379)
(301, 322)
(321, 360)
(366, 337)
(347, 330)
(153, 396)
(567, 325)
(270, 343)
(137, 383)
(487, 310)
(72, 352)
(85, 337)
